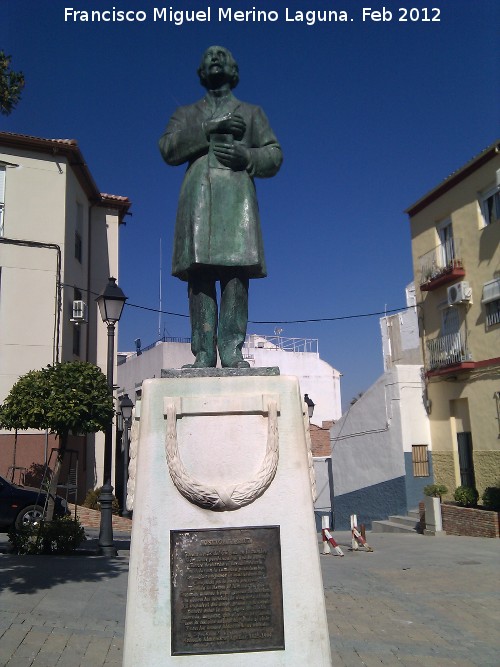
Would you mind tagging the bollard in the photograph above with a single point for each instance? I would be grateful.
(326, 545)
(106, 545)
(354, 523)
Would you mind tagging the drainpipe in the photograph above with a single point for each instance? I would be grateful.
(89, 264)
(87, 337)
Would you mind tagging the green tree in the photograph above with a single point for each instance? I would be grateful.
(69, 397)
(11, 85)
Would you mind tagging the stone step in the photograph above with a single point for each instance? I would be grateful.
(392, 527)
(404, 520)
(415, 514)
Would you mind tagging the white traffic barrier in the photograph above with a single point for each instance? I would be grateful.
(354, 542)
(326, 543)
(357, 538)
(327, 537)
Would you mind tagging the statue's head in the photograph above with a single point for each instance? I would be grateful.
(218, 67)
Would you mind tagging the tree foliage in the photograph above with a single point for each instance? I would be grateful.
(11, 85)
(68, 397)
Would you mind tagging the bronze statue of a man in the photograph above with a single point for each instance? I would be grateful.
(226, 143)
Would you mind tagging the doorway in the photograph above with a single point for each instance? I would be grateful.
(465, 459)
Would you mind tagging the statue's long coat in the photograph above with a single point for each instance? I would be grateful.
(218, 220)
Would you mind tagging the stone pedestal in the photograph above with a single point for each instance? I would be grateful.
(433, 519)
(224, 563)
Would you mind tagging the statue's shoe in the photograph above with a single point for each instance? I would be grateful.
(202, 361)
(237, 363)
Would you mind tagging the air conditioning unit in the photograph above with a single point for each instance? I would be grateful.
(79, 311)
(459, 293)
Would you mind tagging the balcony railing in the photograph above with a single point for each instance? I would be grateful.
(493, 318)
(448, 350)
(278, 342)
(441, 264)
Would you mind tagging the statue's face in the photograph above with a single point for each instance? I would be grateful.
(217, 66)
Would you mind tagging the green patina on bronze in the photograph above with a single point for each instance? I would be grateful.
(226, 143)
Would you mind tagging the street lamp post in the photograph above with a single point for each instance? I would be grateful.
(126, 407)
(310, 405)
(110, 302)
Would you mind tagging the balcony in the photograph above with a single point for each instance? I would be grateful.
(448, 354)
(441, 265)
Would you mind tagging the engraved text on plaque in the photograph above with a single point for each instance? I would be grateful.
(226, 590)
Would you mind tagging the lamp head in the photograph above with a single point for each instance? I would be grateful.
(126, 407)
(111, 302)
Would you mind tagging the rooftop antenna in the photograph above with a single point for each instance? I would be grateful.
(159, 308)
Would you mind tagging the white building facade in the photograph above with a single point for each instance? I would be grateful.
(58, 245)
(381, 447)
(293, 356)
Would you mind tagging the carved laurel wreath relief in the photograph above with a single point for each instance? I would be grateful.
(217, 498)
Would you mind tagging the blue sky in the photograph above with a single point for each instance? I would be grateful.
(370, 116)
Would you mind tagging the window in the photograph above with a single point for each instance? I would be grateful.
(76, 339)
(493, 313)
(420, 460)
(2, 197)
(491, 300)
(445, 231)
(490, 205)
(466, 459)
(77, 336)
(79, 232)
(450, 321)
(78, 247)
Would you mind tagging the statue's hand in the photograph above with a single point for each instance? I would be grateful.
(232, 123)
(233, 156)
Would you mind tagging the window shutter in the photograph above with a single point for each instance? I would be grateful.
(2, 185)
(491, 291)
(420, 460)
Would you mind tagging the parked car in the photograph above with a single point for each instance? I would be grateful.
(22, 505)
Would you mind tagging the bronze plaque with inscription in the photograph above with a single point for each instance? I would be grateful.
(226, 590)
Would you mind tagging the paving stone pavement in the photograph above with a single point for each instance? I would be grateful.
(64, 611)
(415, 601)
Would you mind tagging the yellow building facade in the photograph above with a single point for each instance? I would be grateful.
(455, 230)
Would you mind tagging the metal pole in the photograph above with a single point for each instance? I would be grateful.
(108, 434)
(126, 444)
(106, 545)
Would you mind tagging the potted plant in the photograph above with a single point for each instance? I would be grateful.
(466, 496)
(491, 498)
